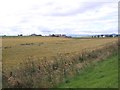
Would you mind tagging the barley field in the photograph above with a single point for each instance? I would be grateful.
(17, 49)
(46, 62)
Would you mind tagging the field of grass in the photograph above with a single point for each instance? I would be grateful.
(103, 74)
(17, 49)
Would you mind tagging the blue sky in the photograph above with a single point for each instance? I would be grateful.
(58, 16)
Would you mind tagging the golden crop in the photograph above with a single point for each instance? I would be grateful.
(17, 49)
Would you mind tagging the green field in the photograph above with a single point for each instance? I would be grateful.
(103, 74)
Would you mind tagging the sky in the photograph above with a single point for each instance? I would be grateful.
(58, 16)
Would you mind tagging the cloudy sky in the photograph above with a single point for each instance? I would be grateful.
(58, 16)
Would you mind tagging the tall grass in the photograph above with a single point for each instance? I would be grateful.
(45, 73)
(102, 74)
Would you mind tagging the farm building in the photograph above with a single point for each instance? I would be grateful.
(106, 35)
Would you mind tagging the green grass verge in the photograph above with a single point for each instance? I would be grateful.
(103, 74)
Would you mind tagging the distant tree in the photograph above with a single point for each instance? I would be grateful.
(20, 35)
(102, 35)
(98, 36)
(39, 35)
(53, 35)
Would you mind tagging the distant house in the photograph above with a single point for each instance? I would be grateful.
(39, 35)
(113, 35)
(59, 35)
(35, 35)
(107, 35)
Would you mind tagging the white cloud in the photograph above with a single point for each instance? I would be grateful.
(58, 16)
